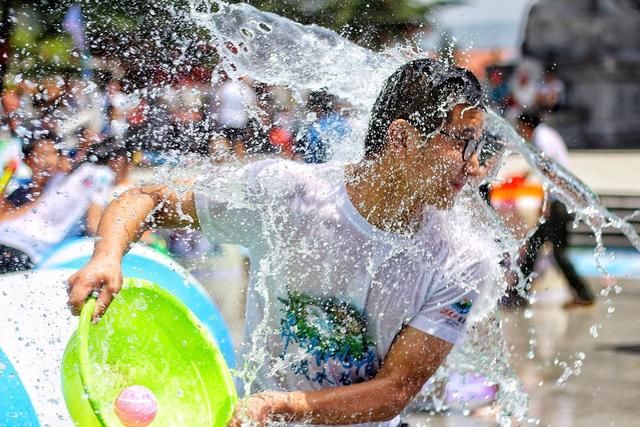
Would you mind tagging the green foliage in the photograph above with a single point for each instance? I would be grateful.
(37, 45)
(143, 35)
(136, 35)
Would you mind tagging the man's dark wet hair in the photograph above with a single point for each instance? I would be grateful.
(422, 92)
(530, 118)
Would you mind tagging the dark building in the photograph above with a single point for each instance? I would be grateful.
(595, 45)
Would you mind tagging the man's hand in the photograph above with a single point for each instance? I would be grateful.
(258, 409)
(124, 220)
(101, 275)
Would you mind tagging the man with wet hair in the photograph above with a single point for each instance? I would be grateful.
(358, 284)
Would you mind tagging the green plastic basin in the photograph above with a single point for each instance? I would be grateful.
(149, 338)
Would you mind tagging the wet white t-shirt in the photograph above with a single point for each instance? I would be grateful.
(328, 291)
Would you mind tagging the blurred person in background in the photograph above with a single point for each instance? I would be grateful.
(86, 138)
(49, 96)
(9, 103)
(556, 217)
(29, 231)
(190, 122)
(551, 94)
(283, 124)
(116, 110)
(26, 90)
(117, 158)
(498, 88)
(41, 156)
(328, 127)
(233, 100)
(269, 132)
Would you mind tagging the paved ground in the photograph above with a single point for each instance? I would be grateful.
(607, 390)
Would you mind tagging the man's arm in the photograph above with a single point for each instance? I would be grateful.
(412, 360)
(123, 222)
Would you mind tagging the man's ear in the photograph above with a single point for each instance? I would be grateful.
(400, 134)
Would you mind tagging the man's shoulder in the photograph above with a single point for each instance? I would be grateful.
(283, 170)
(265, 180)
(467, 246)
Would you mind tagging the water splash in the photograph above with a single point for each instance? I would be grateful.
(565, 186)
(277, 51)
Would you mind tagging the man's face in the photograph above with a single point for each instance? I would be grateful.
(441, 165)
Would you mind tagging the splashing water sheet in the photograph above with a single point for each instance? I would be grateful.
(274, 50)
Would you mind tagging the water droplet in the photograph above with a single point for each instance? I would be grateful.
(140, 304)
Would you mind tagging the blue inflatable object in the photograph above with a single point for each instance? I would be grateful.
(35, 325)
(15, 405)
(146, 263)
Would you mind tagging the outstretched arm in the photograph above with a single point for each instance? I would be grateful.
(412, 360)
(123, 222)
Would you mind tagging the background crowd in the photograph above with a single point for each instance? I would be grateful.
(69, 144)
(72, 142)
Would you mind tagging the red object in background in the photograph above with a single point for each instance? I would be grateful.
(139, 115)
(281, 138)
(12, 165)
(514, 188)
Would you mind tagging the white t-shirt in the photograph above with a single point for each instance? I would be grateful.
(64, 202)
(548, 140)
(333, 289)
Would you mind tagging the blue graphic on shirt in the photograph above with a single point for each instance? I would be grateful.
(333, 336)
(463, 307)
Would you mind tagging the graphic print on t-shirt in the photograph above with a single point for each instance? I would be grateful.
(332, 337)
(455, 314)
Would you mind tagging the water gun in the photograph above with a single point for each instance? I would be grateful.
(8, 172)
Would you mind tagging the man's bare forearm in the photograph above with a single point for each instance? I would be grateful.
(126, 218)
(375, 400)
(123, 222)
(411, 361)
